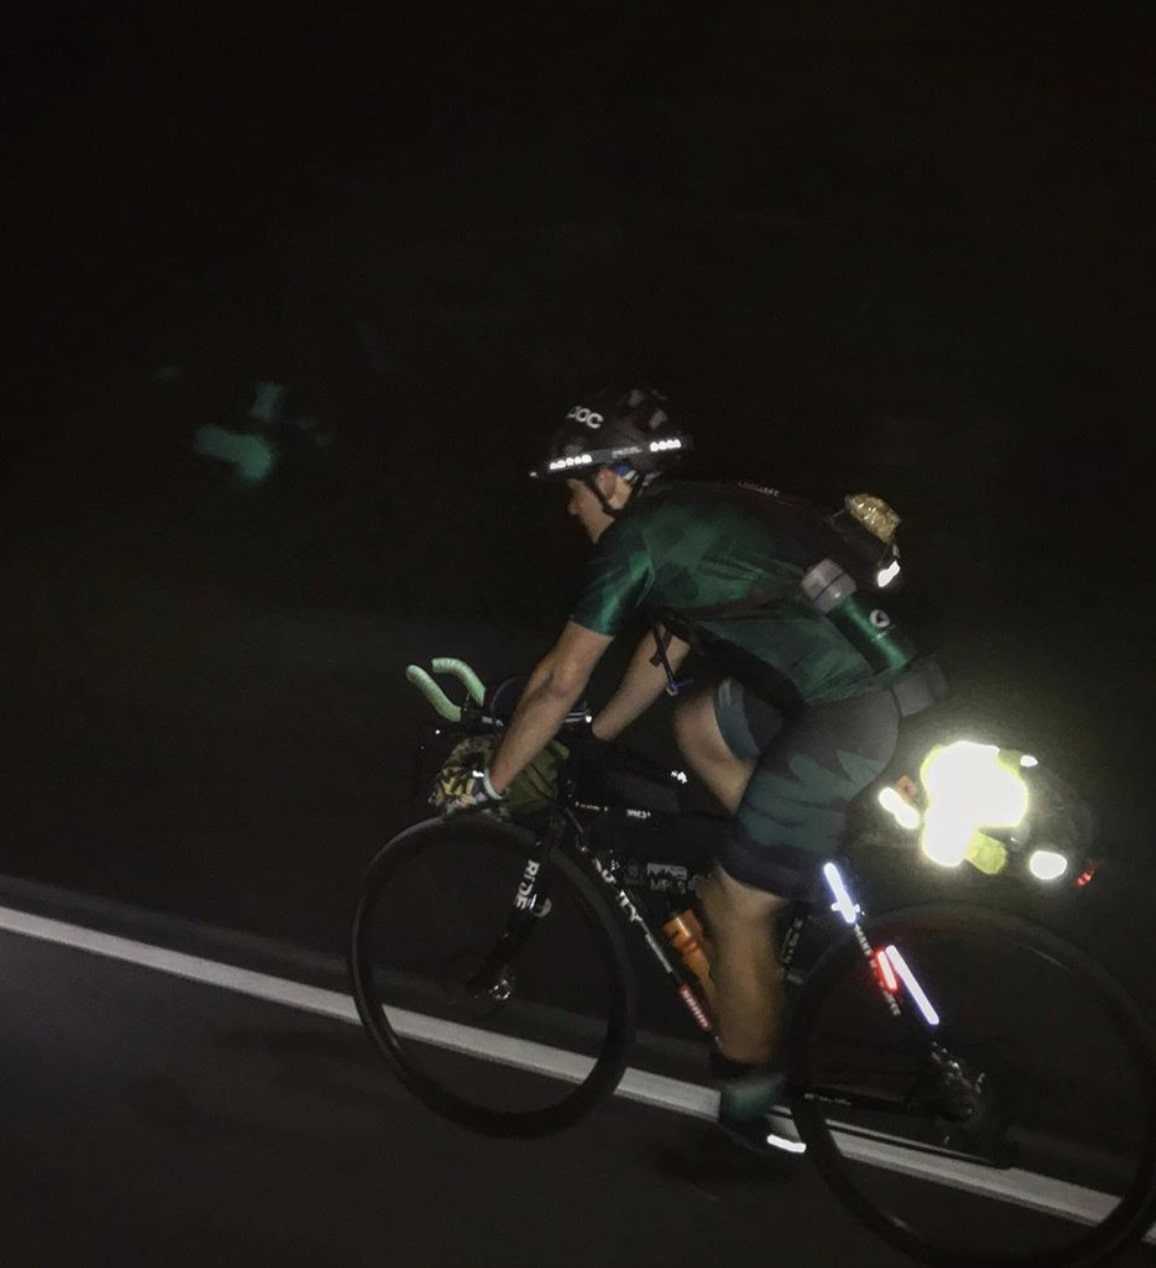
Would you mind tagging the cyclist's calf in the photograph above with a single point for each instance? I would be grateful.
(740, 924)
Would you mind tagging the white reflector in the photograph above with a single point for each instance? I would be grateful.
(903, 812)
(899, 964)
(842, 904)
(1047, 865)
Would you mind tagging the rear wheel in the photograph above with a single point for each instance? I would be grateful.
(1035, 1090)
(493, 976)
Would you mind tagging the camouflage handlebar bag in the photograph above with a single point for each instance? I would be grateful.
(535, 787)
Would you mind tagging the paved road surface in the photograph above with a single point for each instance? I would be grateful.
(154, 1120)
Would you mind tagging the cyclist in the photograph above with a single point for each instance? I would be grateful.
(800, 715)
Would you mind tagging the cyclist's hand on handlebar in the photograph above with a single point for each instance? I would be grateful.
(465, 787)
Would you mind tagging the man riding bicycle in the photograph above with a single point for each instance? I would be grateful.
(810, 680)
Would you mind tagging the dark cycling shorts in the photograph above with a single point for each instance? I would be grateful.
(809, 766)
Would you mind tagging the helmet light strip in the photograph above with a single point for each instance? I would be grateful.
(603, 457)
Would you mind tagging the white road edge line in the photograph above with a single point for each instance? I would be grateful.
(1024, 1188)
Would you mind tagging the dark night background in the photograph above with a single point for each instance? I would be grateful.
(858, 254)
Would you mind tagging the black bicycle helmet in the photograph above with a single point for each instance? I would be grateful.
(628, 431)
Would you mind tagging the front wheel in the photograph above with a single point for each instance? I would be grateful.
(1011, 1122)
(493, 976)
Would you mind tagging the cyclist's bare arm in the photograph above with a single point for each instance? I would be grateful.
(640, 687)
(555, 686)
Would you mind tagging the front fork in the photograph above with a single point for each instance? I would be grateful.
(532, 902)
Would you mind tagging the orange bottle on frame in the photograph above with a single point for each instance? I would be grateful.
(686, 936)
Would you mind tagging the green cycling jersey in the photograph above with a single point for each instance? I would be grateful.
(683, 548)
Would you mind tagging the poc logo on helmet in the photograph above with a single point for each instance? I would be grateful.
(583, 415)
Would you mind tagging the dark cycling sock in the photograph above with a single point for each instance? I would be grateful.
(745, 1090)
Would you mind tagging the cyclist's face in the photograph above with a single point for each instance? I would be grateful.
(585, 506)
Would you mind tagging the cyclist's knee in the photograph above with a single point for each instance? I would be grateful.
(728, 903)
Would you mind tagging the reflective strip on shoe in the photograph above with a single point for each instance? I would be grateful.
(786, 1144)
(764, 1134)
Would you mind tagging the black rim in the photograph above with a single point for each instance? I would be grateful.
(1133, 1213)
(566, 876)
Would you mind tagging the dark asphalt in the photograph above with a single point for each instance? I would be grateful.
(154, 1120)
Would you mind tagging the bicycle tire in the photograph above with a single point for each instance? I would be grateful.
(567, 878)
(1136, 1208)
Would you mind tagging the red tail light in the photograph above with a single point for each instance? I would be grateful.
(884, 972)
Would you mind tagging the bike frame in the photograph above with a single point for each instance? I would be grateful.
(900, 990)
